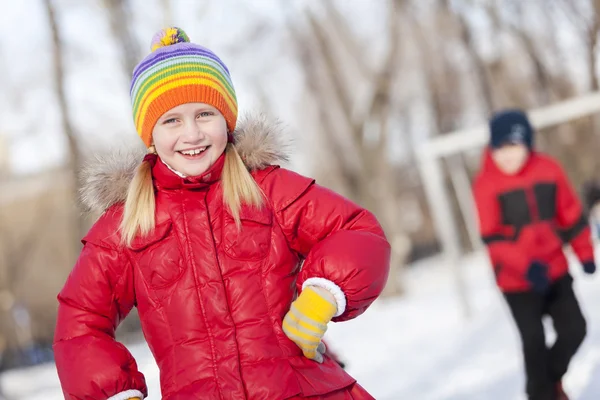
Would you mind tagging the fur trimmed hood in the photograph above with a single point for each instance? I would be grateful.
(105, 179)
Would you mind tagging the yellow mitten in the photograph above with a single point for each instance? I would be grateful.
(306, 322)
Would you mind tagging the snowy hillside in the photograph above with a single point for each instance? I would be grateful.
(418, 347)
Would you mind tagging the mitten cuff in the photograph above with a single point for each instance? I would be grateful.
(335, 290)
(128, 394)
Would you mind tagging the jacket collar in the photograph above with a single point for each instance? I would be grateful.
(105, 179)
(166, 179)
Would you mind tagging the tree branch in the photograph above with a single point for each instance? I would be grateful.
(120, 17)
(75, 163)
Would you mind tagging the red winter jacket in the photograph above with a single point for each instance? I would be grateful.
(529, 217)
(211, 299)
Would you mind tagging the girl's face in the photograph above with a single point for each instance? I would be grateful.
(510, 158)
(190, 137)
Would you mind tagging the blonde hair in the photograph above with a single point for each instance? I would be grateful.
(239, 188)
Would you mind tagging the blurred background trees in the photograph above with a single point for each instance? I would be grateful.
(360, 85)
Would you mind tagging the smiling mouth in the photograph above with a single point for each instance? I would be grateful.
(193, 152)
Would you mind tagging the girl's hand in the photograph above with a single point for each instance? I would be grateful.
(306, 322)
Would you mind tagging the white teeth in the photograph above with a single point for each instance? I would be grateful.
(193, 152)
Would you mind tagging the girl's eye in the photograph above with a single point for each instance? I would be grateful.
(169, 121)
(206, 114)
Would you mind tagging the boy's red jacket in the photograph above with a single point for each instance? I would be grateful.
(529, 217)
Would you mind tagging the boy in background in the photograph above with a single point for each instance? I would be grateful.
(527, 212)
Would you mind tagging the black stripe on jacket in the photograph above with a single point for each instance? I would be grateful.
(568, 234)
(489, 239)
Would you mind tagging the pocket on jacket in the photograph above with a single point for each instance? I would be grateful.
(159, 257)
(252, 240)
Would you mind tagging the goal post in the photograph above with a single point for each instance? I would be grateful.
(431, 158)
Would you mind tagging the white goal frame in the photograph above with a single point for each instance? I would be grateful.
(432, 154)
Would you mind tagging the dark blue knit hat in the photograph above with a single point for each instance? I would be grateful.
(510, 126)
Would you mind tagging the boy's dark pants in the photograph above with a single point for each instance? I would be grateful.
(546, 366)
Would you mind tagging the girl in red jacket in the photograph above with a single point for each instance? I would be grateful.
(236, 265)
(527, 212)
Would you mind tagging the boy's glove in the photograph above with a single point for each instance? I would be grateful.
(537, 275)
(589, 267)
(306, 322)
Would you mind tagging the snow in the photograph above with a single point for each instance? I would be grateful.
(419, 346)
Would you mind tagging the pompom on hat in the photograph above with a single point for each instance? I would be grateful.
(178, 72)
(167, 37)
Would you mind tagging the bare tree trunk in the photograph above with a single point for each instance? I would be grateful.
(593, 46)
(121, 27)
(363, 166)
(588, 27)
(443, 77)
(478, 63)
(384, 175)
(16, 253)
(317, 89)
(520, 76)
(75, 162)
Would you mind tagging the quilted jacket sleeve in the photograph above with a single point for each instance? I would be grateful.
(344, 246)
(98, 294)
(572, 222)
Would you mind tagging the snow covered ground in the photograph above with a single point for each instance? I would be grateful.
(419, 347)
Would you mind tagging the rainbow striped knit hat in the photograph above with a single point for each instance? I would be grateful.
(175, 73)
